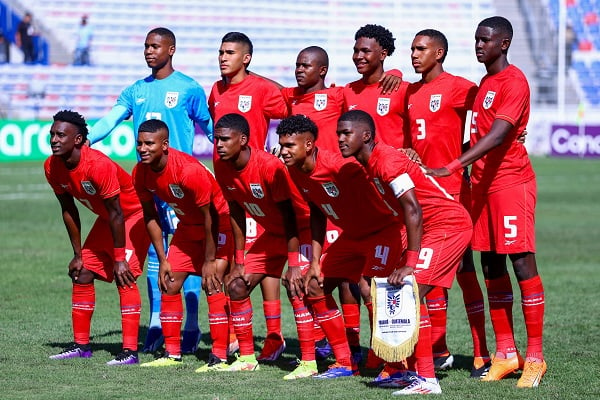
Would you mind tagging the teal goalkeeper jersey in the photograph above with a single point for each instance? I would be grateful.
(178, 100)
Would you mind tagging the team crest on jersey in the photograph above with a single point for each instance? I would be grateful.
(393, 301)
(331, 189)
(88, 187)
(176, 191)
(378, 185)
(435, 101)
(244, 103)
(257, 190)
(383, 105)
(171, 99)
(320, 101)
(489, 99)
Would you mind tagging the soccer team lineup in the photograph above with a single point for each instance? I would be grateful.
(374, 191)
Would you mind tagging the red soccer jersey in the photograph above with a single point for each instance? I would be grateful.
(505, 96)
(259, 186)
(436, 119)
(255, 98)
(323, 107)
(95, 179)
(341, 189)
(394, 174)
(185, 184)
(386, 110)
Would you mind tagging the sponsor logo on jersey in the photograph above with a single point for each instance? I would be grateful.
(244, 103)
(489, 99)
(65, 186)
(140, 100)
(435, 101)
(88, 187)
(378, 185)
(383, 105)
(176, 190)
(257, 190)
(171, 99)
(320, 101)
(352, 107)
(331, 189)
(393, 301)
(230, 187)
(509, 242)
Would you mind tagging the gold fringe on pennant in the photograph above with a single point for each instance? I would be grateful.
(404, 350)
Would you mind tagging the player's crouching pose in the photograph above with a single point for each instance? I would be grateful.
(432, 254)
(257, 182)
(115, 247)
(201, 245)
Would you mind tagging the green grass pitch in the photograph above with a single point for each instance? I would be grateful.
(35, 310)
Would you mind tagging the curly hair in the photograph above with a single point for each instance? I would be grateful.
(383, 36)
(297, 124)
(74, 118)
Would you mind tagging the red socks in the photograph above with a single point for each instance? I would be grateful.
(83, 302)
(532, 303)
(218, 322)
(171, 316)
(351, 313)
(241, 315)
(423, 355)
(474, 306)
(131, 306)
(305, 329)
(332, 323)
(272, 310)
(437, 305)
(500, 298)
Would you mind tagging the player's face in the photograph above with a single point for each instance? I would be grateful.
(233, 58)
(309, 72)
(293, 149)
(158, 50)
(489, 45)
(425, 53)
(350, 137)
(64, 136)
(368, 55)
(228, 143)
(151, 146)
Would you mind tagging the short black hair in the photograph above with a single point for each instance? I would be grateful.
(297, 124)
(499, 24)
(383, 36)
(238, 37)
(164, 32)
(320, 52)
(359, 116)
(74, 118)
(234, 121)
(153, 125)
(438, 37)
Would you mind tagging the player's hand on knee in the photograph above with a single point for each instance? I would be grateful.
(210, 279)
(123, 275)
(294, 282)
(75, 266)
(165, 275)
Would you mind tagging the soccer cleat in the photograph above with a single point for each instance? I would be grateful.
(373, 361)
(74, 351)
(154, 339)
(443, 361)
(190, 340)
(420, 385)
(391, 377)
(533, 371)
(272, 348)
(165, 361)
(126, 357)
(304, 369)
(480, 368)
(233, 347)
(502, 367)
(214, 364)
(356, 359)
(322, 349)
(243, 363)
(335, 371)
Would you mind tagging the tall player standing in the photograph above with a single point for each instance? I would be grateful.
(504, 199)
(437, 107)
(202, 244)
(179, 101)
(116, 246)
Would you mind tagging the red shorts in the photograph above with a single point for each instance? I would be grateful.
(268, 254)
(440, 256)
(253, 231)
(187, 248)
(504, 221)
(98, 249)
(374, 255)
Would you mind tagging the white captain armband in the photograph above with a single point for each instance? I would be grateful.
(401, 184)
